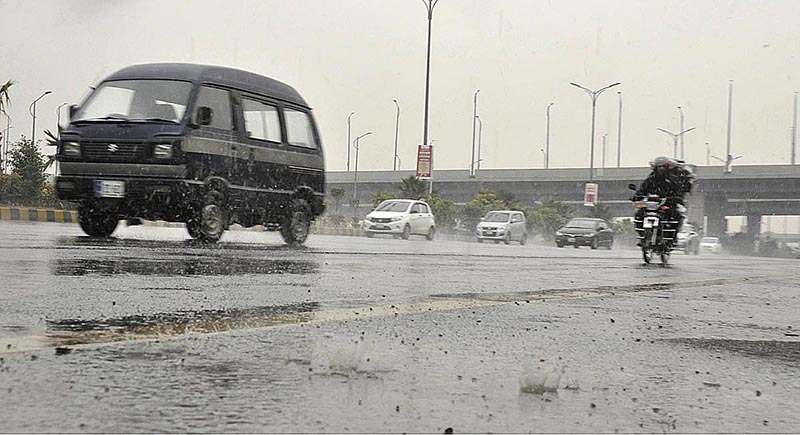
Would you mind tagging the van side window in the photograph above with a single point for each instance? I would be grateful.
(298, 129)
(220, 103)
(261, 120)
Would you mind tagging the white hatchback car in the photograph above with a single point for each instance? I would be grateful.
(502, 225)
(401, 218)
(710, 244)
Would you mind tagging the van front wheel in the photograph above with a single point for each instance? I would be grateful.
(297, 224)
(97, 219)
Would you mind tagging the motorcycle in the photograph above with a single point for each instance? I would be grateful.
(654, 230)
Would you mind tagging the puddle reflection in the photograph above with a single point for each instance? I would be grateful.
(85, 331)
(181, 266)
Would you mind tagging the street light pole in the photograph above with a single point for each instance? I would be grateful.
(474, 118)
(348, 139)
(680, 109)
(4, 147)
(544, 158)
(429, 5)
(728, 158)
(58, 115)
(396, 132)
(675, 137)
(32, 111)
(604, 150)
(547, 140)
(593, 95)
(619, 132)
(480, 135)
(794, 130)
(355, 178)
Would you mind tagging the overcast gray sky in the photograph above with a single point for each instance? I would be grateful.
(358, 55)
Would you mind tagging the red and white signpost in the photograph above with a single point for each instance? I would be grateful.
(424, 162)
(590, 195)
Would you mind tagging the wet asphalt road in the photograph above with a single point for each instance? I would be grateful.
(152, 332)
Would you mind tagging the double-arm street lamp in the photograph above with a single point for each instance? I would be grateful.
(355, 179)
(593, 95)
(675, 137)
(32, 111)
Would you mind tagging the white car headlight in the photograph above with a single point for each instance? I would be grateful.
(590, 235)
(368, 219)
(396, 218)
(162, 151)
(72, 149)
(559, 233)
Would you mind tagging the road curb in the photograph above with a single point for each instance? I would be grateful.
(35, 214)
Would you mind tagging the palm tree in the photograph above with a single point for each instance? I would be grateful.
(413, 188)
(4, 98)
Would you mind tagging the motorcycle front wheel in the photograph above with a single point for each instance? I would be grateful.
(647, 250)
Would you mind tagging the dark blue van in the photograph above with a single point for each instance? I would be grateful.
(205, 145)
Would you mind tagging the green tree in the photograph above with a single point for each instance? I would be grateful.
(29, 165)
(601, 211)
(337, 193)
(444, 212)
(413, 188)
(486, 201)
(549, 217)
(378, 198)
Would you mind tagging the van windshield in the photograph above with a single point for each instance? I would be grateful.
(497, 217)
(137, 100)
(399, 206)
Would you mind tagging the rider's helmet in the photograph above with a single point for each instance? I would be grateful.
(661, 164)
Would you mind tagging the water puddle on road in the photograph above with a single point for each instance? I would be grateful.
(79, 331)
(782, 351)
(181, 266)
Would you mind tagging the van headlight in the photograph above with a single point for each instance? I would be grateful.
(71, 149)
(162, 151)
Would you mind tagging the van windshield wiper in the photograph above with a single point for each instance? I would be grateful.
(105, 118)
(154, 119)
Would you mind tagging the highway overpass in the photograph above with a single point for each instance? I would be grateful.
(750, 190)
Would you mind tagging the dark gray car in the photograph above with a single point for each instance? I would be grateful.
(585, 232)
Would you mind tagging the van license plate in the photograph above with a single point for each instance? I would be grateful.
(109, 189)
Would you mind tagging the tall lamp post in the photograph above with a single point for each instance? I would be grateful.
(603, 159)
(4, 146)
(396, 133)
(593, 95)
(619, 131)
(58, 114)
(480, 135)
(355, 179)
(429, 5)
(680, 109)
(32, 111)
(547, 140)
(474, 119)
(794, 130)
(348, 139)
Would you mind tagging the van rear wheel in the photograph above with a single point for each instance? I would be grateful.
(97, 219)
(213, 217)
(297, 223)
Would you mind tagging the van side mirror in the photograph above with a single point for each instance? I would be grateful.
(73, 109)
(204, 115)
(632, 186)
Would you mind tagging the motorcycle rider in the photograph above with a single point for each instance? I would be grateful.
(664, 182)
(685, 179)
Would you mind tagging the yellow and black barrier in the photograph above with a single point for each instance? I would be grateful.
(330, 230)
(27, 214)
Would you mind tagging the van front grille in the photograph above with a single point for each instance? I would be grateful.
(114, 151)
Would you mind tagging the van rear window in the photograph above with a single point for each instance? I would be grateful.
(298, 129)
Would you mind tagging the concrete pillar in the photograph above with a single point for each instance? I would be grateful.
(715, 211)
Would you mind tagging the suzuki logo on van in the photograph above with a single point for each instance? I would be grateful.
(112, 147)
